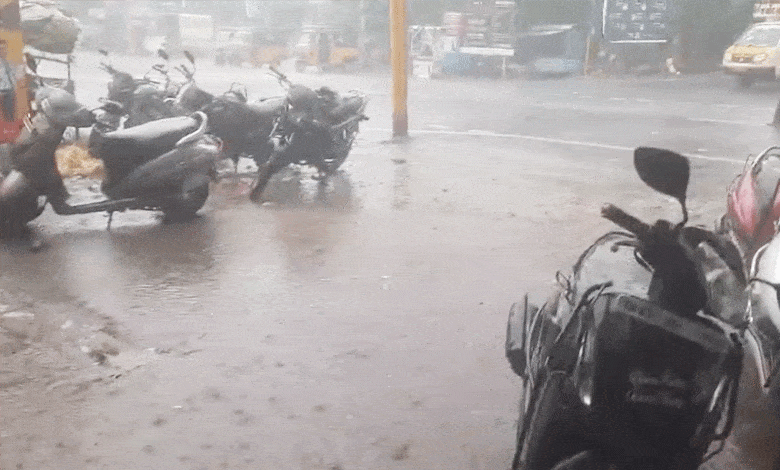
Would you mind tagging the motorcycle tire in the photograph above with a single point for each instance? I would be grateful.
(338, 153)
(192, 198)
(16, 212)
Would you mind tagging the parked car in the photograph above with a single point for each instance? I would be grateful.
(755, 55)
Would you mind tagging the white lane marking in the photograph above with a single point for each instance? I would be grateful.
(729, 121)
(548, 140)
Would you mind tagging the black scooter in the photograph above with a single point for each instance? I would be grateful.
(634, 363)
(144, 99)
(165, 165)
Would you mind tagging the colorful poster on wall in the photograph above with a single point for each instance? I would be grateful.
(637, 21)
(13, 86)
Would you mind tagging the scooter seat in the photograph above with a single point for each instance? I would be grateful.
(146, 140)
(237, 122)
(126, 149)
(268, 107)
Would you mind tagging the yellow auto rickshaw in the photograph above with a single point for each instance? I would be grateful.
(325, 48)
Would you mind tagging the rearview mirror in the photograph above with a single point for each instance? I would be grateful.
(665, 171)
(189, 57)
(162, 54)
(31, 63)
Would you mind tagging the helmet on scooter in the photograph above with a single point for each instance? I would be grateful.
(62, 109)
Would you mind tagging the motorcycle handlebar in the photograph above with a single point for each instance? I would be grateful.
(279, 75)
(625, 220)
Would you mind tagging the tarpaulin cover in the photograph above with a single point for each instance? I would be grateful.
(47, 28)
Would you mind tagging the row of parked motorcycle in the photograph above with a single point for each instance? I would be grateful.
(160, 140)
(644, 356)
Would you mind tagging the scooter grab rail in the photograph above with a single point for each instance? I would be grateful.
(198, 133)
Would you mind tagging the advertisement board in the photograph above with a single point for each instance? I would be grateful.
(637, 21)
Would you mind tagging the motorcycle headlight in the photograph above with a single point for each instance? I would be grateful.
(727, 56)
(759, 57)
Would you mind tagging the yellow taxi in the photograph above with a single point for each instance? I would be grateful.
(325, 48)
(755, 55)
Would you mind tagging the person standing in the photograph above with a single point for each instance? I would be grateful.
(323, 53)
(7, 84)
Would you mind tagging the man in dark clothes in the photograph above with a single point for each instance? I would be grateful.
(323, 56)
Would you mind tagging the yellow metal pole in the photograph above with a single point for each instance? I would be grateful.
(398, 59)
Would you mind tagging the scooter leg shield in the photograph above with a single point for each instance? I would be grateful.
(165, 174)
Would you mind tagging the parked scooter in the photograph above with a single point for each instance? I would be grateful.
(317, 128)
(145, 99)
(165, 165)
(635, 362)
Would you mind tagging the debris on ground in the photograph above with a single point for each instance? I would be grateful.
(75, 160)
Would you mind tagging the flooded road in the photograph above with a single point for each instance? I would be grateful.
(355, 324)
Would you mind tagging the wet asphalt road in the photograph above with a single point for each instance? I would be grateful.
(356, 324)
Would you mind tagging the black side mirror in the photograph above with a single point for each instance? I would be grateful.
(162, 54)
(103, 52)
(31, 63)
(189, 57)
(665, 171)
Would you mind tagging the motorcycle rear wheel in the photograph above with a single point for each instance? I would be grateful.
(191, 200)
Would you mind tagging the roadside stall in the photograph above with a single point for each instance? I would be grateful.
(49, 38)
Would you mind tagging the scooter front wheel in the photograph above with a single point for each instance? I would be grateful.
(338, 154)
